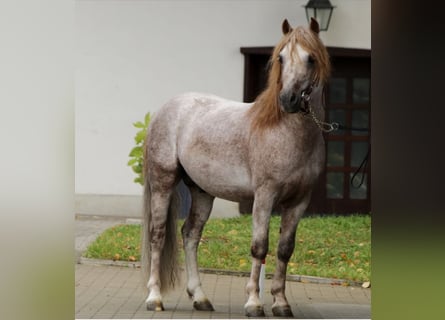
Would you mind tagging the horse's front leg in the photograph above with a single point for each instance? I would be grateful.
(191, 234)
(262, 208)
(289, 222)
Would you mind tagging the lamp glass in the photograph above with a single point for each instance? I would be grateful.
(322, 15)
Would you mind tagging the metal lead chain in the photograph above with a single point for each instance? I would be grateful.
(324, 126)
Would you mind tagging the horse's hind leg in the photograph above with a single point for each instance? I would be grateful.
(162, 188)
(289, 222)
(191, 233)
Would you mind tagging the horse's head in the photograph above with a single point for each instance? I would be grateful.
(301, 63)
(299, 67)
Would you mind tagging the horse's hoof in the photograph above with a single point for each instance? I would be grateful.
(282, 311)
(155, 305)
(255, 311)
(203, 305)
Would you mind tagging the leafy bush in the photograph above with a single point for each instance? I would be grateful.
(136, 155)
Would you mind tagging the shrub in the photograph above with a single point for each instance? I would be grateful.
(136, 155)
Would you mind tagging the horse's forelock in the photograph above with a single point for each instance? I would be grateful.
(311, 42)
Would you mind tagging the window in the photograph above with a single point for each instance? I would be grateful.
(346, 183)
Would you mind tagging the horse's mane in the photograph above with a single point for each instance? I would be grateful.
(265, 112)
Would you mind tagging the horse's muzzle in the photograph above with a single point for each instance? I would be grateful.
(290, 102)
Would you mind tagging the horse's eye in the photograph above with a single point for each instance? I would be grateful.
(310, 60)
(280, 58)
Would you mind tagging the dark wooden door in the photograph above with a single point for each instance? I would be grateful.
(343, 188)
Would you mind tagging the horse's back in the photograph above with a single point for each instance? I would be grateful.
(191, 112)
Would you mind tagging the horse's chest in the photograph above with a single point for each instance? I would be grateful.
(296, 174)
(289, 167)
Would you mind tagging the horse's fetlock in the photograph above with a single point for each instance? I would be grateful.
(275, 290)
(251, 288)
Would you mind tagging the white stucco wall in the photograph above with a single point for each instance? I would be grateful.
(132, 56)
(350, 25)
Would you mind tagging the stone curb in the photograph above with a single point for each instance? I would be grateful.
(103, 262)
(295, 278)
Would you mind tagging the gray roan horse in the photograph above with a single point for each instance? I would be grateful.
(270, 151)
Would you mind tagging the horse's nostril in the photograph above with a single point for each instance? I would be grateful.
(293, 99)
(290, 102)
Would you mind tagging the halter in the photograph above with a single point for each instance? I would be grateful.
(306, 96)
(307, 111)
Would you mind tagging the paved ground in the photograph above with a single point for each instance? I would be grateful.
(117, 292)
(89, 227)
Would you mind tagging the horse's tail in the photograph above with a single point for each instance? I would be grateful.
(169, 267)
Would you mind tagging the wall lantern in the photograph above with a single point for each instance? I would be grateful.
(320, 10)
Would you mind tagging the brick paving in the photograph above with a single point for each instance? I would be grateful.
(112, 292)
(117, 292)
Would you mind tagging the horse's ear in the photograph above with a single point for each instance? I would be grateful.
(314, 25)
(286, 27)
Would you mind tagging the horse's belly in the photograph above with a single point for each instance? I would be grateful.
(220, 179)
(212, 146)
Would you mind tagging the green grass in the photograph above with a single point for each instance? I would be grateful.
(121, 242)
(333, 247)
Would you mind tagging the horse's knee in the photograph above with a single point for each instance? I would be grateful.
(285, 250)
(259, 249)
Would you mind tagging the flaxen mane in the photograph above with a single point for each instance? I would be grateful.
(266, 112)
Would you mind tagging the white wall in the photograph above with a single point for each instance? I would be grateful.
(132, 56)
(350, 25)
